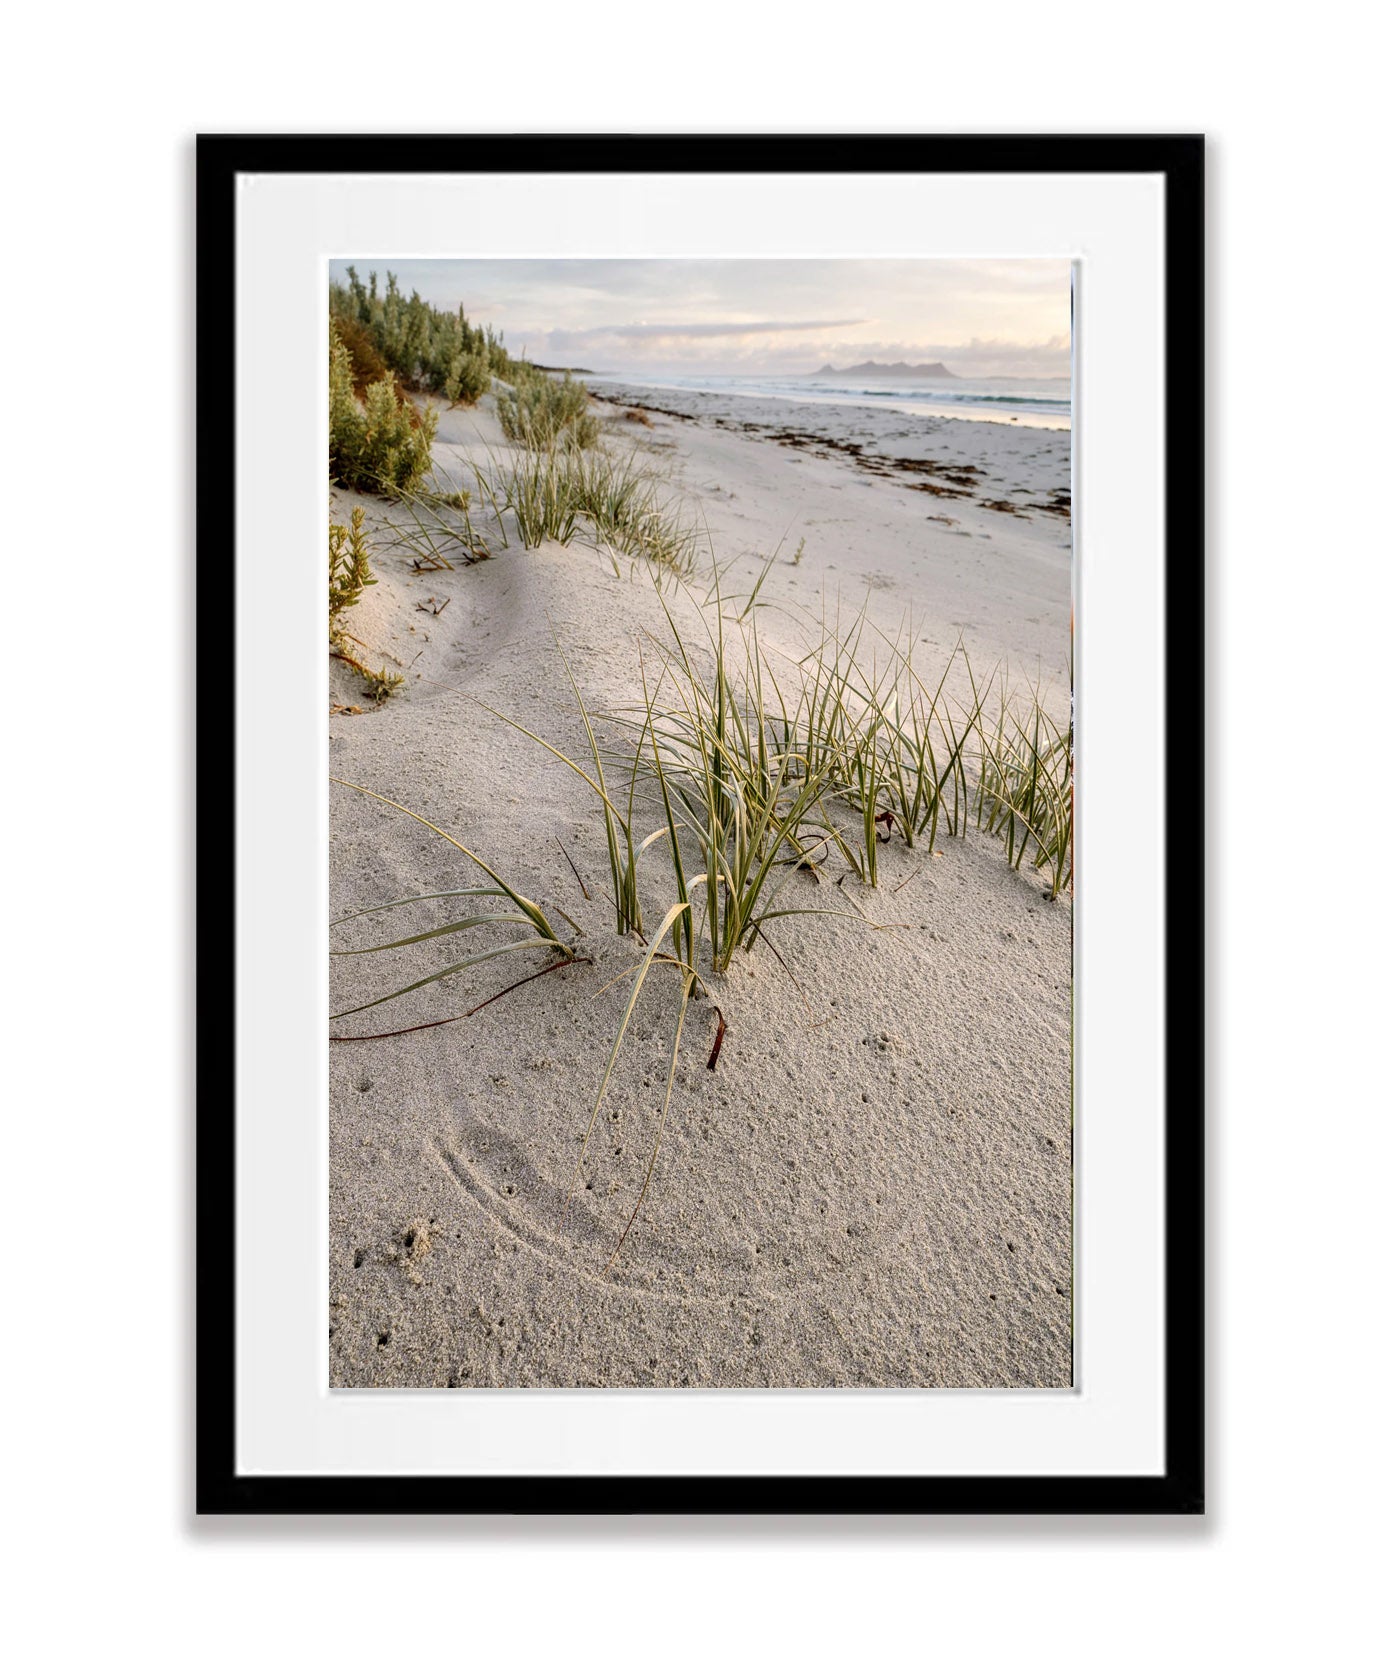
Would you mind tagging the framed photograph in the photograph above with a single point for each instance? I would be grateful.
(701, 983)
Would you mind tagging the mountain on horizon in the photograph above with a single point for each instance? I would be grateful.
(886, 370)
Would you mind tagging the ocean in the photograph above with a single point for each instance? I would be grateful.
(1026, 402)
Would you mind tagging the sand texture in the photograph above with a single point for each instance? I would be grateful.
(872, 1187)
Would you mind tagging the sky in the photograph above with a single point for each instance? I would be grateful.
(758, 316)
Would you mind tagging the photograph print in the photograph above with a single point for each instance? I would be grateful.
(701, 824)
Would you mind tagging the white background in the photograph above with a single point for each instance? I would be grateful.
(1286, 1576)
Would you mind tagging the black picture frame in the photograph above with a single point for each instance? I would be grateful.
(1179, 161)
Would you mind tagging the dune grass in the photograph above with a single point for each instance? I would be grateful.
(540, 411)
(1025, 789)
(898, 751)
(540, 487)
(628, 508)
(736, 787)
(525, 913)
(557, 491)
(436, 530)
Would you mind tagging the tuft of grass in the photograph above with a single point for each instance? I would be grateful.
(437, 530)
(741, 789)
(904, 748)
(553, 490)
(1025, 789)
(907, 758)
(897, 753)
(937, 767)
(540, 411)
(740, 795)
(539, 487)
(626, 506)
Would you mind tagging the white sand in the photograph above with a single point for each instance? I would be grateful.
(873, 1187)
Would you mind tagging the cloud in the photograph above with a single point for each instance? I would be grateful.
(758, 347)
(715, 329)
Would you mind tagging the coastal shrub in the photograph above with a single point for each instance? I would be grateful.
(417, 342)
(382, 446)
(350, 576)
(440, 350)
(349, 567)
(468, 377)
(367, 366)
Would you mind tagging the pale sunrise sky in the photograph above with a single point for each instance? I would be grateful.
(758, 316)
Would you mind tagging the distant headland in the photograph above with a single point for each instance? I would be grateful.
(886, 370)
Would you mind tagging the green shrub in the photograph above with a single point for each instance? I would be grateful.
(468, 377)
(425, 346)
(384, 446)
(350, 576)
(367, 366)
(350, 571)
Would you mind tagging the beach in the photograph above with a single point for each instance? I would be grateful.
(872, 1185)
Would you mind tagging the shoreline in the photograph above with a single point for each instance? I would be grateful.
(932, 409)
